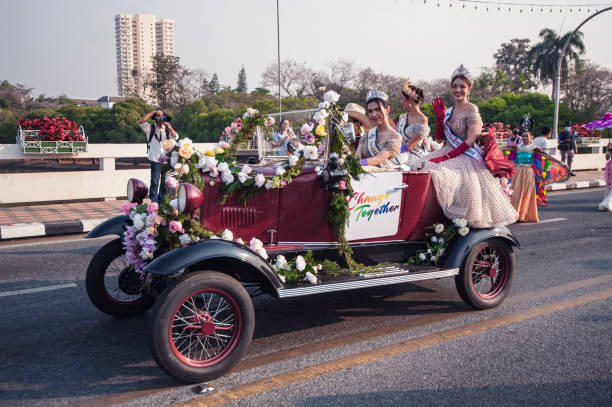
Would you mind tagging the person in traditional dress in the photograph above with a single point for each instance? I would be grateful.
(413, 127)
(465, 186)
(381, 145)
(606, 203)
(523, 185)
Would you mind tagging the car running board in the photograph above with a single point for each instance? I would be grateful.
(384, 275)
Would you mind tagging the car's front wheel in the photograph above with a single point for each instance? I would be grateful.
(487, 273)
(113, 286)
(201, 327)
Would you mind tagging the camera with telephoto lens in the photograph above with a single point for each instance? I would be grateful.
(160, 118)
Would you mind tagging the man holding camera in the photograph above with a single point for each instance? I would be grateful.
(156, 135)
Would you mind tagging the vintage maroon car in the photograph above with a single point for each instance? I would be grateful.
(203, 318)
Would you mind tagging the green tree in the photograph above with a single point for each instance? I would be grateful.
(164, 81)
(125, 116)
(512, 58)
(214, 85)
(242, 81)
(544, 55)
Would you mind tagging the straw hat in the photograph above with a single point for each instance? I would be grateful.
(357, 112)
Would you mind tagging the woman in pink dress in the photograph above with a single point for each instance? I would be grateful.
(465, 187)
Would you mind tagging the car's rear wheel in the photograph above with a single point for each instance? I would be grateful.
(201, 327)
(487, 273)
(113, 286)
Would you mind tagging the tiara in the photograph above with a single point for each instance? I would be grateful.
(462, 71)
(376, 94)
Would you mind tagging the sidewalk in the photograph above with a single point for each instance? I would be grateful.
(68, 218)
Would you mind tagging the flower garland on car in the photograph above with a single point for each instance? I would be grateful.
(153, 229)
(438, 241)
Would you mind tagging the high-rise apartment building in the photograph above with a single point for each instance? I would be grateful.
(138, 39)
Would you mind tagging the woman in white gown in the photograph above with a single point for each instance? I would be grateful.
(464, 185)
(413, 127)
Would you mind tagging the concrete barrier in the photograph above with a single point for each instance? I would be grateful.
(106, 183)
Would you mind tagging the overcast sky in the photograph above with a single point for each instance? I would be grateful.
(68, 46)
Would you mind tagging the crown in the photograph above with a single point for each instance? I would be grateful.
(462, 71)
(376, 94)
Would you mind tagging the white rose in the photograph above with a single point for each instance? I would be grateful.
(174, 203)
(300, 263)
(227, 177)
(463, 231)
(239, 241)
(242, 177)
(323, 105)
(138, 222)
(260, 180)
(185, 142)
(269, 184)
(174, 157)
(178, 167)
(439, 228)
(310, 278)
(428, 251)
(311, 153)
(246, 169)
(281, 263)
(434, 239)
(255, 244)
(293, 159)
(345, 117)
(320, 116)
(227, 235)
(184, 239)
(262, 252)
(432, 259)
(214, 237)
(331, 97)
(185, 169)
(462, 223)
(223, 167)
(282, 278)
(280, 170)
(422, 257)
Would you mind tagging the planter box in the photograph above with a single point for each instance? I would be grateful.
(31, 143)
(587, 140)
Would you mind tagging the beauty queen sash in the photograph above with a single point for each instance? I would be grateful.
(373, 148)
(475, 152)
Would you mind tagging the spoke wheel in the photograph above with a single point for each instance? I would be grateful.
(201, 327)
(486, 275)
(112, 286)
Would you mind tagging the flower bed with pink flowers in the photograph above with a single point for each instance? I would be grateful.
(51, 136)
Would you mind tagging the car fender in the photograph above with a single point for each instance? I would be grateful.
(465, 244)
(224, 256)
(112, 226)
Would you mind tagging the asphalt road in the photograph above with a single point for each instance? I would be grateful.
(412, 344)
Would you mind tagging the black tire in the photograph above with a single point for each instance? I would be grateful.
(112, 286)
(207, 337)
(487, 273)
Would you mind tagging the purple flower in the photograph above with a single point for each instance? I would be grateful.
(309, 138)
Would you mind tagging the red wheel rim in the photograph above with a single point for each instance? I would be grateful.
(489, 273)
(205, 327)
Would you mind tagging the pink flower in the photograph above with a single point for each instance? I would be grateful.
(342, 184)
(127, 207)
(214, 172)
(309, 138)
(321, 148)
(176, 227)
(224, 145)
(306, 128)
(152, 208)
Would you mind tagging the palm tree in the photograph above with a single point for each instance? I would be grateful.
(544, 55)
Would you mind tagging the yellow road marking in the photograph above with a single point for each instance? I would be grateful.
(307, 373)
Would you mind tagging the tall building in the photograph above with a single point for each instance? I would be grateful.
(138, 39)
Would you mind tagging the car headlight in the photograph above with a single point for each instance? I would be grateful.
(189, 198)
(136, 190)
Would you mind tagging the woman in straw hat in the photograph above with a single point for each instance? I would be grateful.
(381, 144)
(465, 186)
(413, 127)
(358, 119)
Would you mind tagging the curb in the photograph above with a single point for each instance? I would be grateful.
(37, 229)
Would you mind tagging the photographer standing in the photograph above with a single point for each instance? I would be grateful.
(156, 135)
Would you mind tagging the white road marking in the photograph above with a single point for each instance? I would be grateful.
(55, 240)
(37, 290)
(547, 221)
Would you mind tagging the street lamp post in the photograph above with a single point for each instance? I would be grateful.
(280, 109)
(557, 83)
